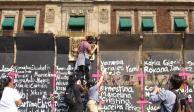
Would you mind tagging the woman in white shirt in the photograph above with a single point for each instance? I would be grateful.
(9, 97)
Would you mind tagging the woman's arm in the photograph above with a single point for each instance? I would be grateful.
(154, 98)
(93, 50)
(100, 81)
(157, 95)
(17, 98)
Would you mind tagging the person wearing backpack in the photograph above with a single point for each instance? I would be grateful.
(85, 50)
(73, 94)
(168, 98)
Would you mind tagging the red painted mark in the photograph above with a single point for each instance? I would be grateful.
(142, 104)
(142, 101)
(184, 74)
(97, 75)
(141, 76)
(12, 74)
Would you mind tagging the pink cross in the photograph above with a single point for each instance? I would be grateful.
(12, 73)
(97, 75)
(142, 103)
(141, 74)
(184, 74)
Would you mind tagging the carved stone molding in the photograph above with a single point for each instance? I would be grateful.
(103, 16)
(77, 9)
(178, 13)
(50, 16)
(73, 48)
(193, 17)
(10, 12)
(78, 12)
(77, 5)
(104, 32)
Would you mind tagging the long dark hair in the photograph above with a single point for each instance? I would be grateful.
(72, 79)
(176, 81)
(3, 83)
(89, 39)
(91, 83)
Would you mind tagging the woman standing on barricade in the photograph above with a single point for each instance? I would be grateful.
(83, 59)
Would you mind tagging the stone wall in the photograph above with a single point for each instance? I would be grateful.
(20, 10)
(101, 17)
(52, 19)
(162, 13)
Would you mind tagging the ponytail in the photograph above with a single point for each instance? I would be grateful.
(3, 83)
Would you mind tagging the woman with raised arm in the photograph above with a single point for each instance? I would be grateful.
(9, 96)
(93, 94)
(167, 98)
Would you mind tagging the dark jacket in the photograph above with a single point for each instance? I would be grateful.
(78, 107)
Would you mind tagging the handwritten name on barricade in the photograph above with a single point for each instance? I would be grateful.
(118, 98)
(5, 70)
(150, 107)
(34, 84)
(63, 73)
(166, 66)
(153, 107)
(118, 67)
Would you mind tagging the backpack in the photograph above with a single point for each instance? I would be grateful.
(182, 103)
(69, 97)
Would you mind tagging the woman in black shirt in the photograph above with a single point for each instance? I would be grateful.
(75, 84)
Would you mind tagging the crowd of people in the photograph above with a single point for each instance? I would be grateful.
(91, 94)
(82, 80)
(169, 101)
(80, 83)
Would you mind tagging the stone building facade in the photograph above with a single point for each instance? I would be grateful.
(103, 17)
(96, 17)
(78, 18)
(163, 15)
(21, 12)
